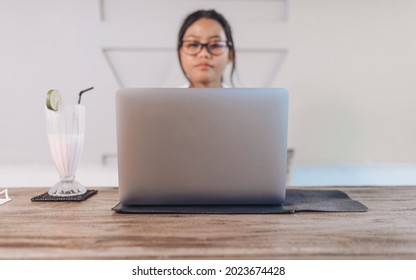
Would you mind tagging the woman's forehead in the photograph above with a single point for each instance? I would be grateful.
(205, 29)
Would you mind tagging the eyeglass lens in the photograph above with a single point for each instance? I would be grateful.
(194, 48)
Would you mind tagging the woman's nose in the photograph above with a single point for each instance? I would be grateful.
(204, 52)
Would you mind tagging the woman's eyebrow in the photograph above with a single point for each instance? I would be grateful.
(191, 35)
(209, 38)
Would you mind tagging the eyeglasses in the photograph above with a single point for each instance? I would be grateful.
(214, 48)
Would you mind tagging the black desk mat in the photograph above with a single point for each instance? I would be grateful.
(296, 201)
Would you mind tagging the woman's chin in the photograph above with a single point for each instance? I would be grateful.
(203, 78)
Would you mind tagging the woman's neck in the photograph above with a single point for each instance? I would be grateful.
(213, 84)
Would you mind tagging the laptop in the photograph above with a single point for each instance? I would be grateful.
(187, 146)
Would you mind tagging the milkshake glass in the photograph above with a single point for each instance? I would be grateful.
(65, 128)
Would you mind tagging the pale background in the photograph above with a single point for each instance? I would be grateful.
(349, 65)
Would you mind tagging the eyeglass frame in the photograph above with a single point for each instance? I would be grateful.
(201, 46)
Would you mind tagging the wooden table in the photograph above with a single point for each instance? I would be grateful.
(90, 230)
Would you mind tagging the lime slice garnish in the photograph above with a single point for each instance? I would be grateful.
(53, 100)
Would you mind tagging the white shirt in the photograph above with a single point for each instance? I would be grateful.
(187, 85)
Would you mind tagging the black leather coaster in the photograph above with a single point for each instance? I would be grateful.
(296, 201)
(46, 197)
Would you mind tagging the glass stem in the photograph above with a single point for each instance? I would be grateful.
(67, 178)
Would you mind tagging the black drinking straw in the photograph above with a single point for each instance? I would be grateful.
(81, 92)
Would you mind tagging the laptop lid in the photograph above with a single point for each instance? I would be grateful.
(201, 146)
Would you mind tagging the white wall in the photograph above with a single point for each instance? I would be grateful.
(51, 44)
(349, 66)
(351, 72)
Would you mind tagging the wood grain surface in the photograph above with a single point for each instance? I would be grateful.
(90, 230)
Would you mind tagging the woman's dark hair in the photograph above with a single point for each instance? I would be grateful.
(214, 15)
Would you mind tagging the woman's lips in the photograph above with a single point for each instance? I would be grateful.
(203, 66)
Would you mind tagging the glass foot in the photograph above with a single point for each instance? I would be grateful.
(67, 188)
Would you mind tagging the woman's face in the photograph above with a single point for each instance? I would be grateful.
(204, 69)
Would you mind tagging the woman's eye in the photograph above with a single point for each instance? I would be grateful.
(193, 45)
(216, 46)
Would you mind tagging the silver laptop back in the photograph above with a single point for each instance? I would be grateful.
(202, 146)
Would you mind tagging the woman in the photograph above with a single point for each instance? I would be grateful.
(205, 47)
